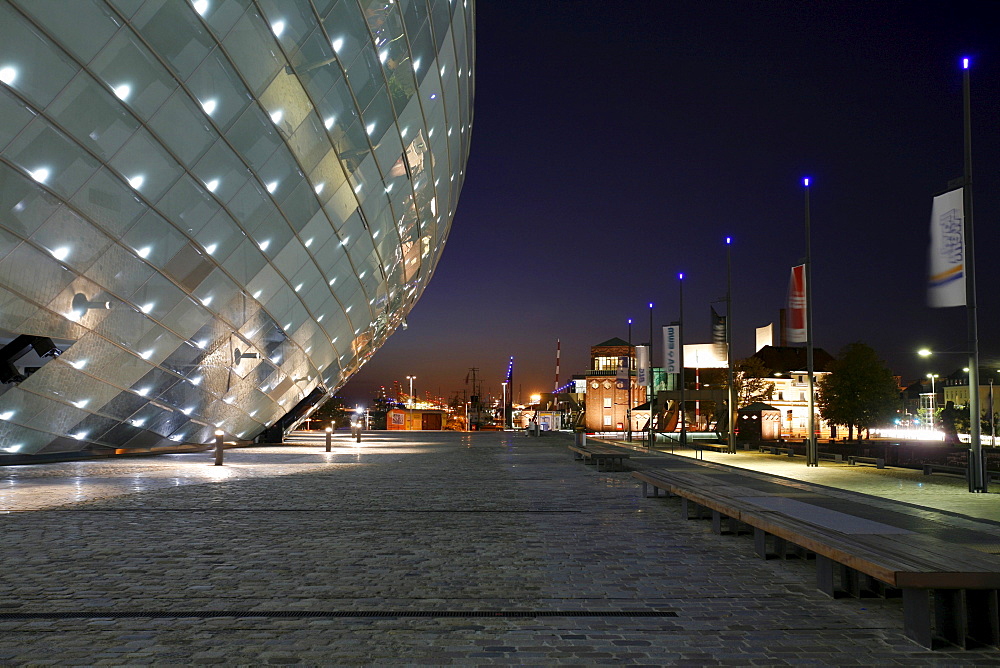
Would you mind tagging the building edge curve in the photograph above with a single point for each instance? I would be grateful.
(213, 212)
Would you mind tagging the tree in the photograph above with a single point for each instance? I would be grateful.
(751, 380)
(859, 392)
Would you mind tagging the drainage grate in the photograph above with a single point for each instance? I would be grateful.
(297, 614)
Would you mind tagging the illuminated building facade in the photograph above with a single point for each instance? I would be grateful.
(213, 212)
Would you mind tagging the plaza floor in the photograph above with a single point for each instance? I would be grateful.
(410, 548)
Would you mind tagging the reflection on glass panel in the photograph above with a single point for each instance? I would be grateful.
(290, 21)
(31, 64)
(221, 172)
(146, 166)
(220, 237)
(32, 274)
(188, 206)
(347, 30)
(221, 15)
(82, 27)
(154, 239)
(252, 206)
(175, 33)
(23, 204)
(254, 137)
(300, 206)
(15, 116)
(280, 174)
(93, 116)
(133, 74)
(219, 90)
(365, 77)
(108, 202)
(244, 45)
(51, 158)
(70, 239)
(181, 125)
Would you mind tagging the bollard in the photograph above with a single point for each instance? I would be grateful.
(218, 446)
(357, 431)
(329, 437)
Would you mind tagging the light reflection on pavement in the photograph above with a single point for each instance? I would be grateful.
(40, 486)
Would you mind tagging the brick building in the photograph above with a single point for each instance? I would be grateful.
(611, 375)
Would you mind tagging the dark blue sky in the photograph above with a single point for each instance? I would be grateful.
(616, 144)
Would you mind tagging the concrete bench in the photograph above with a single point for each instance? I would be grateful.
(775, 450)
(989, 476)
(877, 462)
(949, 591)
(598, 454)
(832, 456)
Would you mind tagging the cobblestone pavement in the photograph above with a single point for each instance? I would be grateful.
(421, 548)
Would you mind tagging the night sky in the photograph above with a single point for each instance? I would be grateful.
(616, 144)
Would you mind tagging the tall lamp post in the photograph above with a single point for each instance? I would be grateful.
(977, 481)
(411, 379)
(731, 395)
(812, 456)
(649, 380)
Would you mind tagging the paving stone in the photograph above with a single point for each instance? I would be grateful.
(413, 523)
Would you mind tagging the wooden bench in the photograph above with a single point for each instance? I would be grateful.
(877, 462)
(719, 447)
(775, 449)
(948, 590)
(598, 454)
(833, 456)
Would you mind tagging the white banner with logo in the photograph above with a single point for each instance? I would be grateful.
(642, 362)
(946, 282)
(672, 349)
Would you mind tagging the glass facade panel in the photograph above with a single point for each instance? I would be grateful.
(205, 177)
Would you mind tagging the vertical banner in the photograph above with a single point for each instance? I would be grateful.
(946, 284)
(719, 335)
(622, 373)
(797, 305)
(671, 349)
(764, 336)
(642, 363)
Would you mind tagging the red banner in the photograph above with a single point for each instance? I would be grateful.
(796, 331)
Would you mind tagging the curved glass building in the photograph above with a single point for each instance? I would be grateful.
(213, 212)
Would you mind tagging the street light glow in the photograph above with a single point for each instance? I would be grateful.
(805, 182)
(925, 352)
(965, 63)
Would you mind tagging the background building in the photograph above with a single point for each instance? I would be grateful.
(791, 387)
(213, 212)
(607, 396)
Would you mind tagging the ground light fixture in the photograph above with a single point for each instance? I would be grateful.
(329, 437)
(218, 446)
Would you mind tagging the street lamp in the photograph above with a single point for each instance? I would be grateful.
(411, 379)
